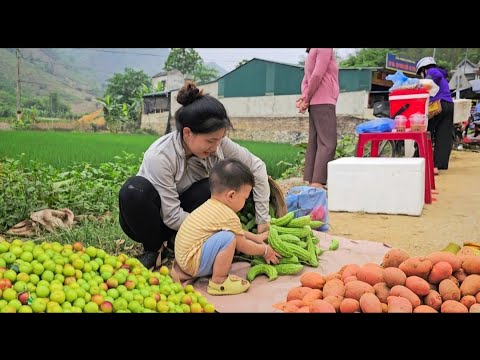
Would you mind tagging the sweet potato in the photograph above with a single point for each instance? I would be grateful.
(310, 297)
(369, 303)
(418, 285)
(349, 305)
(342, 269)
(452, 306)
(334, 287)
(333, 276)
(350, 270)
(394, 276)
(303, 309)
(468, 301)
(382, 291)
(321, 306)
(475, 308)
(452, 259)
(312, 280)
(290, 308)
(399, 290)
(433, 299)
(454, 280)
(424, 309)
(291, 304)
(471, 285)
(477, 297)
(471, 264)
(465, 251)
(384, 308)
(370, 274)
(440, 271)
(448, 290)
(460, 275)
(349, 278)
(398, 304)
(355, 289)
(416, 266)
(394, 258)
(297, 293)
(335, 300)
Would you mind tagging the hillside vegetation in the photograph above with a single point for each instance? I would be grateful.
(77, 75)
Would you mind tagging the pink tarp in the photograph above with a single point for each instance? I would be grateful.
(262, 294)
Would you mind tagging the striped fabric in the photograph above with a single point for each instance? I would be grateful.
(202, 223)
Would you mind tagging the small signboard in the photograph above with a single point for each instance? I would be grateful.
(394, 62)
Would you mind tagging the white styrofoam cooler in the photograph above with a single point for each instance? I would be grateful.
(377, 185)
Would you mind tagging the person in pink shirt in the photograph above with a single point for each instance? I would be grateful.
(320, 91)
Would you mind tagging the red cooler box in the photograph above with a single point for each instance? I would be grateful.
(416, 99)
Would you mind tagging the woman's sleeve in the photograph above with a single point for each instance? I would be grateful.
(435, 75)
(322, 59)
(162, 178)
(304, 86)
(261, 190)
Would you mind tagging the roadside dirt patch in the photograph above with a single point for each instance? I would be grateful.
(454, 217)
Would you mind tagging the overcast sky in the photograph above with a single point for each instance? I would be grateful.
(228, 58)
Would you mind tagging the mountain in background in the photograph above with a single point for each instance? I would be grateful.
(221, 70)
(78, 75)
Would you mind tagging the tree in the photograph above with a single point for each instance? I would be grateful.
(244, 61)
(183, 59)
(188, 61)
(123, 87)
(367, 57)
(122, 102)
(446, 57)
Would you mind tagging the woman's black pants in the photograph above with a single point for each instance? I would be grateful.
(139, 205)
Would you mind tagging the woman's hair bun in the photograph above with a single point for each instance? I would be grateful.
(188, 93)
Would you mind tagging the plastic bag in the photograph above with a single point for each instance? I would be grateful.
(305, 200)
(430, 85)
(400, 81)
(376, 126)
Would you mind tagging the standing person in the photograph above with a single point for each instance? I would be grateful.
(206, 241)
(441, 124)
(320, 91)
(173, 177)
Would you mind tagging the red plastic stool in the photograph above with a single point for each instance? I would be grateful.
(424, 141)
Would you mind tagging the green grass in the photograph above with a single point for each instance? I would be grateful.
(62, 149)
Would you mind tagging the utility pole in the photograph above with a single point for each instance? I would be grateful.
(19, 111)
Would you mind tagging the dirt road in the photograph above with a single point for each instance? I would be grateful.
(454, 217)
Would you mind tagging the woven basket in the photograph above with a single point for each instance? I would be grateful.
(277, 198)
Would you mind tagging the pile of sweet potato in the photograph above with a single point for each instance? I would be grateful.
(440, 282)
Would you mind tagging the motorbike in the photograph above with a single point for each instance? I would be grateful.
(467, 132)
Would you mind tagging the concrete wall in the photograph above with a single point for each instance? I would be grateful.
(174, 79)
(156, 122)
(275, 118)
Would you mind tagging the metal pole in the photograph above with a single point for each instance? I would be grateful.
(19, 112)
(434, 49)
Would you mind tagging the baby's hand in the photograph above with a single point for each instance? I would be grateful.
(263, 236)
(272, 256)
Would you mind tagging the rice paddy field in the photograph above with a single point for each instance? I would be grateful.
(63, 149)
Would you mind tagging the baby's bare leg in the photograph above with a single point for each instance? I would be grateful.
(223, 262)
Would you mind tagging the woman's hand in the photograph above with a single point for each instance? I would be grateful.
(261, 228)
(303, 107)
(298, 103)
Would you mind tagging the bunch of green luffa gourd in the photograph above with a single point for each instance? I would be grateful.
(294, 240)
